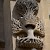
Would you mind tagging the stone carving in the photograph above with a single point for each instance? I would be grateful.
(27, 28)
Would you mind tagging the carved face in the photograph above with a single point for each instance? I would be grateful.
(26, 26)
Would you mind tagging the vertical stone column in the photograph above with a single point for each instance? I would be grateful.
(7, 25)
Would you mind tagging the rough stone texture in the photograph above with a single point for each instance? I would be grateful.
(25, 13)
(43, 13)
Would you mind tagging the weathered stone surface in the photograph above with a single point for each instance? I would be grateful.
(24, 16)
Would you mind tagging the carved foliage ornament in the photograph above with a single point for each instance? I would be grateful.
(26, 26)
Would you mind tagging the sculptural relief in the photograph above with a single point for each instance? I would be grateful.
(27, 28)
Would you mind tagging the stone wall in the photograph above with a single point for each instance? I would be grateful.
(45, 15)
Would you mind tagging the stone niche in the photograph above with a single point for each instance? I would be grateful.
(27, 27)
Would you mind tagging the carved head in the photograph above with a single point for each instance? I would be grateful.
(26, 26)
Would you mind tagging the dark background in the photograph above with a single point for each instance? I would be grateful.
(1, 21)
(5, 25)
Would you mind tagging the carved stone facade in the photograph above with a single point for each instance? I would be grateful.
(27, 27)
(43, 13)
